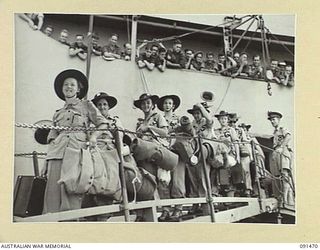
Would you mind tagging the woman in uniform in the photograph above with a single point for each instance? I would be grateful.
(108, 151)
(67, 148)
(258, 171)
(168, 104)
(228, 134)
(245, 154)
(152, 125)
(214, 154)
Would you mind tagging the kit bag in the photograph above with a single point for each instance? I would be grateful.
(140, 184)
(155, 153)
(77, 171)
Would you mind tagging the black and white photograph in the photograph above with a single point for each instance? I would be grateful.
(150, 118)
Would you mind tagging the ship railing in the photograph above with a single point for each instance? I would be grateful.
(150, 206)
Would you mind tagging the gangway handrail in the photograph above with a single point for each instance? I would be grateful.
(85, 212)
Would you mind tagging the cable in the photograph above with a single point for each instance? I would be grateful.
(188, 33)
(225, 94)
(283, 45)
(250, 40)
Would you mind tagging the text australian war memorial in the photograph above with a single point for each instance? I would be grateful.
(140, 118)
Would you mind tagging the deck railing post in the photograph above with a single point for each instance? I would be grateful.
(88, 61)
(254, 156)
(207, 180)
(134, 38)
(122, 176)
(35, 163)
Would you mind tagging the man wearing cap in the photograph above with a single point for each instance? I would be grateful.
(154, 124)
(78, 48)
(281, 160)
(175, 56)
(245, 152)
(65, 147)
(229, 135)
(108, 151)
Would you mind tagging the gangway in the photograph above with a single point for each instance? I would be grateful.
(246, 208)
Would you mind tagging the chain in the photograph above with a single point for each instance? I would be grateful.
(28, 154)
(40, 126)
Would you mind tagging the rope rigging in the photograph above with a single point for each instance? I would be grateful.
(188, 33)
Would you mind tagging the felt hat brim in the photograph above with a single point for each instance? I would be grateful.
(71, 73)
(175, 98)
(112, 101)
(154, 99)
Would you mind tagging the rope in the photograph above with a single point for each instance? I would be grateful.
(225, 94)
(250, 40)
(283, 45)
(144, 81)
(188, 33)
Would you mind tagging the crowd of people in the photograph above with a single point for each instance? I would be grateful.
(164, 157)
(156, 55)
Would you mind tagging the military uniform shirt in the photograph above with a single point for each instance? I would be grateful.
(210, 65)
(111, 48)
(154, 120)
(76, 45)
(204, 128)
(79, 113)
(106, 138)
(229, 134)
(177, 58)
(279, 135)
(173, 122)
(197, 65)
